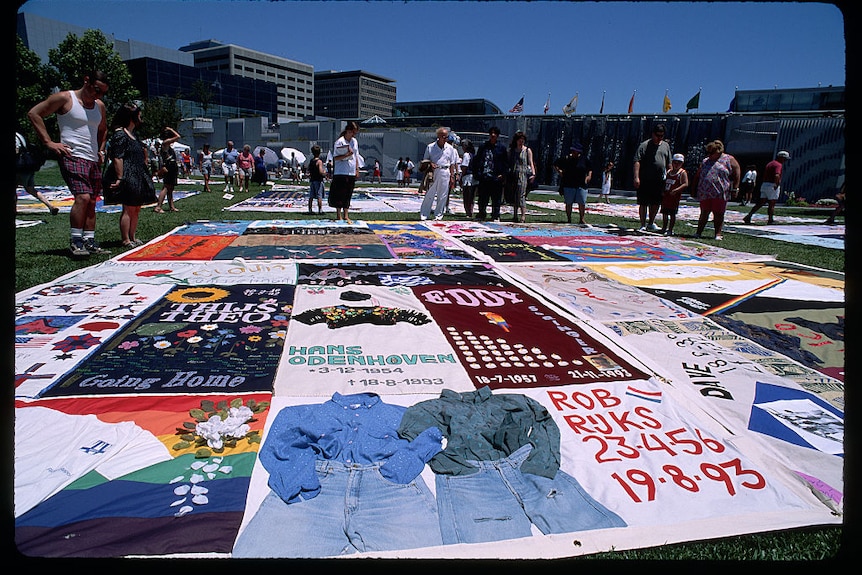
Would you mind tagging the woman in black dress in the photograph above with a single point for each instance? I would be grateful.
(127, 178)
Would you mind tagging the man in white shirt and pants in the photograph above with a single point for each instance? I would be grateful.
(444, 159)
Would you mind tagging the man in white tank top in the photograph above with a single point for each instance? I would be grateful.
(80, 152)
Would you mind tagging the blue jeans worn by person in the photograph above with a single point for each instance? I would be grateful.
(500, 502)
(356, 510)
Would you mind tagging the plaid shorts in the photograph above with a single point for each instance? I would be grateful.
(82, 176)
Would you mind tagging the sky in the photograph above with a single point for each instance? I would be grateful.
(545, 52)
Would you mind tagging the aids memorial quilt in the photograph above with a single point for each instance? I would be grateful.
(145, 476)
(253, 389)
(790, 309)
(61, 198)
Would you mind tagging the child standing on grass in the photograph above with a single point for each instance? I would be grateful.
(607, 181)
(316, 173)
(675, 183)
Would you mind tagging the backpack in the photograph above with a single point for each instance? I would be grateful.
(30, 158)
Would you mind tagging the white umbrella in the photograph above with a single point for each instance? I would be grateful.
(286, 152)
(269, 155)
(178, 148)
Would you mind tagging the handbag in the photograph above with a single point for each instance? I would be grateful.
(30, 158)
(111, 195)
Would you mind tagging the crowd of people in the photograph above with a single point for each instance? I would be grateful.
(488, 176)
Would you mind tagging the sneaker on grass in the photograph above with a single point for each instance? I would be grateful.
(76, 246)
(93, 247)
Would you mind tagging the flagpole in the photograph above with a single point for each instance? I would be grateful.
(602, 109)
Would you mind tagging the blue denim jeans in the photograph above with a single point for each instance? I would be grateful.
(356, 510)
(500, 502)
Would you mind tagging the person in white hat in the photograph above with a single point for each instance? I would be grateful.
(770, 189)
(675, 184)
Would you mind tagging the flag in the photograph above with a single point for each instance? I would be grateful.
(732, 106)
(518, 108)
(666, 105)
(570, 108)
(602, 108)
(632, 102)
(548, 104)
(694, 102)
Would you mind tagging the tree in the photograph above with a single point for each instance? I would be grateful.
(202, 92)
(158, 113)
(34, 82)
(75, 57)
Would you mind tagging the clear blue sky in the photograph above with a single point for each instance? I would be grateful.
(504, 50)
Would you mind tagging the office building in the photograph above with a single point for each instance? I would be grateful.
(203, 93)
(353, 95)
(294, 80)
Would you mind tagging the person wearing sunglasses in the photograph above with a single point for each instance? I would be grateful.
(80, 152)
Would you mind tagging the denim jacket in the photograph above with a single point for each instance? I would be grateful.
(354, 429)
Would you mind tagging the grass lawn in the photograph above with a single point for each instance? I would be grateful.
(42, 254)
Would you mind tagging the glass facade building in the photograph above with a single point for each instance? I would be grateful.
(227, 96)
(472, 107)
(790, 100)
(294, 80)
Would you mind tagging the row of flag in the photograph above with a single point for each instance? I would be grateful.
(570, 108)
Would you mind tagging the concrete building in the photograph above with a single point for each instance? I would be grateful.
(42, 34)
(294, 80)
(355, 95)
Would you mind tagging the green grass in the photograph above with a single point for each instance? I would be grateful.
(41, 254)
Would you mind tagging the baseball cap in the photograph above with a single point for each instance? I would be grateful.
(783, 154)
(678, 158)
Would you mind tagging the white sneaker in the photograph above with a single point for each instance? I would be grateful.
(653, 228)
(422, 218)
(642, 229)
(438, 218)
